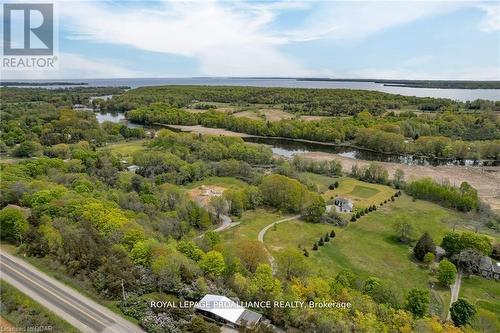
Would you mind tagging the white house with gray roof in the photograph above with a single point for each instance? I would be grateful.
(227, 312)
(343, 205)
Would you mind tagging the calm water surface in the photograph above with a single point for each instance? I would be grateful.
(455, 94)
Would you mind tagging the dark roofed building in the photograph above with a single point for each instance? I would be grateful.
(488, 269)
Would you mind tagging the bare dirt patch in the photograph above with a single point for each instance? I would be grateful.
(276, 114)
(204, 193)
(252, 114)
(206, 130)
(485, 179)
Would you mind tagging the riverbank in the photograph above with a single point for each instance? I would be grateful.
(484, 179)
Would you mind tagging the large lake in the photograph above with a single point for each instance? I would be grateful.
(455, 94)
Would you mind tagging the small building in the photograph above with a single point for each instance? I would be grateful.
(488, 269)
(485, 267)
(227, 312)
(132, 168)
(343, 205)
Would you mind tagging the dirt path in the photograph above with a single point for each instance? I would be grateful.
(455, 291)
(262, 233)
(485, 179)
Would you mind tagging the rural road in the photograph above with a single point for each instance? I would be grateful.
(226, 224)
(262, 233)
(455, 291)
(78, 310)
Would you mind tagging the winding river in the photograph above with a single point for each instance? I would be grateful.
(289, 147)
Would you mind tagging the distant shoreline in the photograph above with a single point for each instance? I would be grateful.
(36, 84)
(434, 84)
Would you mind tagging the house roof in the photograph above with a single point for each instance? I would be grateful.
(221, 306)
(485, 263)
(440, 251)
(249, 317)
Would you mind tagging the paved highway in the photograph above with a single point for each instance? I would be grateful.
(80, 311)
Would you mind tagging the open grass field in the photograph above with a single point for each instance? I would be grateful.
(361, 193)
(266, 113)
(126, 149)
(369, 247)
(485, 294)
(251, 223)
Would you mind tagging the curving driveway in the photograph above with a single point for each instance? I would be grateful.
(262, 233)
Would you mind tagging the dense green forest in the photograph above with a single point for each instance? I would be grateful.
(57, 97)
(446, 135)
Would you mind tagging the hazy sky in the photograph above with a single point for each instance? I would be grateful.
(369, 39)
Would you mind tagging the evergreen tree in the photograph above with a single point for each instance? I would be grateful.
(425, 244)
(332, 234)
(315, 246)
(321, 243)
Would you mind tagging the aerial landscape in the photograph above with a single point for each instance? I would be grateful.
(182, 190)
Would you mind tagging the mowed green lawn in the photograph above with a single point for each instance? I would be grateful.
(251, 223)
(361, 193)
(485, 294)
(127, 149)
(369, 247)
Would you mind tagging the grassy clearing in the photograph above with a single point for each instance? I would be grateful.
(126, 149)
(364, 191)
(251, 223)
(295, 233)
(362, 194)
(485, 294)
(370, 247)
(321, 181)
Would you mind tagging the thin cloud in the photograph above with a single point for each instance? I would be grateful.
(225, 39)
